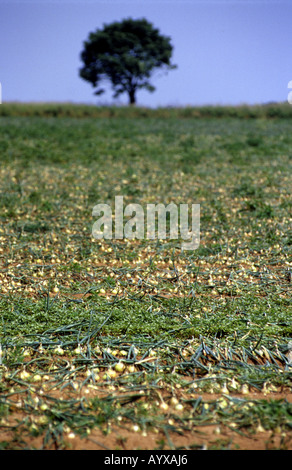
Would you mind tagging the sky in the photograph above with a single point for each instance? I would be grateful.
(228, 52)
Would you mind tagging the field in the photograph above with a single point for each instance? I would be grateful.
(136, 344)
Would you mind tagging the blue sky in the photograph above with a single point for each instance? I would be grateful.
(227, 52)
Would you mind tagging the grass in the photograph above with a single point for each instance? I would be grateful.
(136, 333)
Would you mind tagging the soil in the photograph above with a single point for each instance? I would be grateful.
(208, 437)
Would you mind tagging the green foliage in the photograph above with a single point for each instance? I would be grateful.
(126, 53)
(281, 111)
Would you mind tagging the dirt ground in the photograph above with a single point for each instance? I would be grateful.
(201, 438)
(208, 437)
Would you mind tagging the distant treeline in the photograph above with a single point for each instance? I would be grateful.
(266, 111)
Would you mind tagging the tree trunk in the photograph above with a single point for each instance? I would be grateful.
(132, 98)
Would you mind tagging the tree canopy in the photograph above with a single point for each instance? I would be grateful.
(126, 53)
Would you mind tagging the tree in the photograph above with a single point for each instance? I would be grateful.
(126, 53)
